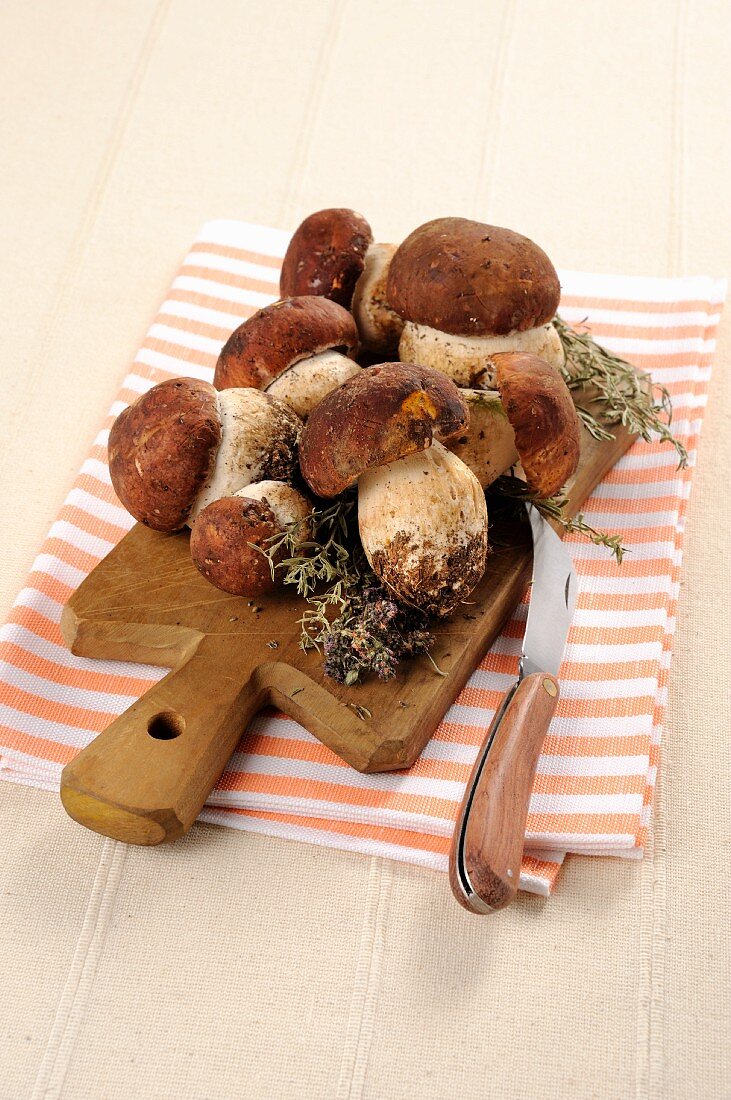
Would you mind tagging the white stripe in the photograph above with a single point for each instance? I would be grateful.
(59, 732)
(246, 236)
(592, 765)
(98, 470)
(173, 366)
(631, 319)
(42, 647)
(222, 291)
(615, 490)
(82, 540)
(185, 339)
(206, 316)
(100, 509)
(38, 601)
(235, 267)
(485, 680)
(640, 288)
(392, 782)
(105, 702)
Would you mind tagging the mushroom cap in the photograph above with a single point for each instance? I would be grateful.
(383, 413)
(326, 255)
(162, 450)
(279, 335)
(220, 545)
(472, 279)
(541, 410)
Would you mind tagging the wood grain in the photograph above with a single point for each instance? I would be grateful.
(488, 845)
(231, 656)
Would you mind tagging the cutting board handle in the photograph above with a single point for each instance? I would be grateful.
(146, 777)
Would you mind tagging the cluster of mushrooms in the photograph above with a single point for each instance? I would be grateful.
(466, 307)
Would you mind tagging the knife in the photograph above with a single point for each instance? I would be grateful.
(487, 848)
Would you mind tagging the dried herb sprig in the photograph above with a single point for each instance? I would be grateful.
(350, 617)
(619, 393)
(554, 508)
(373, 636)
(322, 558)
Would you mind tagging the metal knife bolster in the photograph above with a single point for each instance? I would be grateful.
(551, 608)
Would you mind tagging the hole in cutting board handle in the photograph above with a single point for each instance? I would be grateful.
(165, 726)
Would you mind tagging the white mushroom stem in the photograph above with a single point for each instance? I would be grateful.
(488, 445)
(423, 526)
(251, 425)
(379, 327)
(306, 382)
(288, 504)
(466, 358)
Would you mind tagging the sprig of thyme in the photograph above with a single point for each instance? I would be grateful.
(350, 617)
(619, 393)
(554, 508)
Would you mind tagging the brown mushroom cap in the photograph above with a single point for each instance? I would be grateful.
(162, 449)
(382, 414)
(280, 335)
(220, 545)
(471, 279)
(540, 408)
(326, 256)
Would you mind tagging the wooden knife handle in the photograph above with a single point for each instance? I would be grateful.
(490, 833)
(146, 777)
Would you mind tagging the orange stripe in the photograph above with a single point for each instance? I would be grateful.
(54, 711)
(695, 305)
(188, 355)
(198, 328)
(600, 330)
(296, 787)
(210, 301)
(228, 278)
(37, 624)
(620, 707)
(70, 554)
(72, 677)
(49, 585)
(51, 751)
(92, 525)
(244, 254)
(591, 824)
(590, 784)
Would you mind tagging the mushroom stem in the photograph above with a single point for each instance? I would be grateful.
(305, 383)
(423, 526)
(379, 327)
(488, 446)
(466, 359)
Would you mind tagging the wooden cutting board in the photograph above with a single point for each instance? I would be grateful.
(146, 777)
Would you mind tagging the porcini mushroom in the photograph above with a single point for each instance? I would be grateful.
(296, 350)
(332, 254)
(230, 535)
(421, 512)
(182, 444)
(530, 418)
(466, 290)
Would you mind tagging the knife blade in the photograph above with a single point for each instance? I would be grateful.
(487, 847)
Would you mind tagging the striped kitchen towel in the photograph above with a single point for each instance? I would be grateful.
(594, 787)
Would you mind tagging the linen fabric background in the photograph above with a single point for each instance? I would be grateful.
(239, 965)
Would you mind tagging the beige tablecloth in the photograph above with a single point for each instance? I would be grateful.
(238, 966)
